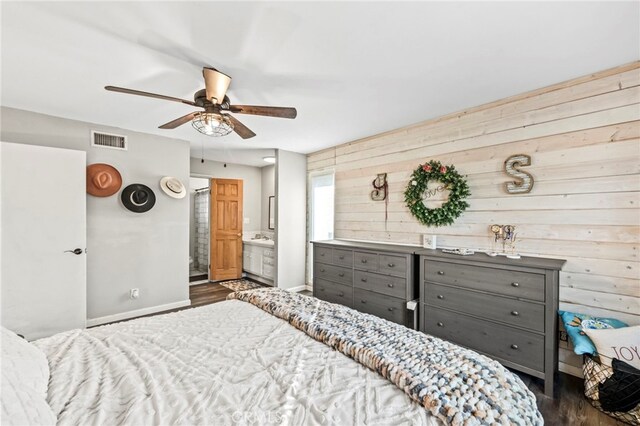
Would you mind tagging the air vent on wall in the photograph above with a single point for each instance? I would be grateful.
(107, 140)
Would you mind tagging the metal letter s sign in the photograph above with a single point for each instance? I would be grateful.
(523, 182)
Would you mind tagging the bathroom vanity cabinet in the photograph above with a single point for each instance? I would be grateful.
(258, 260)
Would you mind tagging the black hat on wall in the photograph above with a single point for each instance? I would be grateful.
(138, 198)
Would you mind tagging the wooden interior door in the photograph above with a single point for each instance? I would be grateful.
(226, 229)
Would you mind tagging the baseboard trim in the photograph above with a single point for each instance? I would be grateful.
(570, 369)
(137, 313)
(300, 288)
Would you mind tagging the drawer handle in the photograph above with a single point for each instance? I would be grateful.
(390, 285)
(341, 294)
(321, 269)
(340, 257)
(341, 274)
(440, 272)
(321, 289)
(515, 284)
(322, 254)
(391, 265)
(364, 280)
(363, 301)
(440, 297)
(514, 347)
(515, 313)
(390, 309)
(440, 324)
(364, 261)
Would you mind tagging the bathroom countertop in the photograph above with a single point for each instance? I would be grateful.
(261, 243)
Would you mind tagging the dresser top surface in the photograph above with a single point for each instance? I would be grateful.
(364, 245)
(481, 257)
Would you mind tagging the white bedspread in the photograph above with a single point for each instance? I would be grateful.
(226, 363)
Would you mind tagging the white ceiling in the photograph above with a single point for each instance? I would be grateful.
(352, 69)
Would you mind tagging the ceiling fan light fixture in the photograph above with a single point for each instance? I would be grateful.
(212, 124)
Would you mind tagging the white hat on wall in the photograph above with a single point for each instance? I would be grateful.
(172, 187)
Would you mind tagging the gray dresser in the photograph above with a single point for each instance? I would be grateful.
(377, 279)
(504, 308)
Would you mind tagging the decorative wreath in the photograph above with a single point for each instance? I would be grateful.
(452, 181)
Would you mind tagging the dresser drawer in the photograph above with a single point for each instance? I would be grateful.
(333, 292)
(511, 311)
(363, 260)
(323, 254)
(525, 285)
(343, 257)
(509, 344)
(391, 286)
(333, 273)
(393, 265)
(389, 308)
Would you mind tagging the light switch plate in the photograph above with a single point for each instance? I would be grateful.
(246, 221)
(429, 241)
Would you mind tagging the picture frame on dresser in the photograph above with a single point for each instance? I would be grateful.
(503, 308)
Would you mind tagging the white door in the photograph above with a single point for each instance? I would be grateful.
(43, 221)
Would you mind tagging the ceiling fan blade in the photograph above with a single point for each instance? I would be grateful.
(269, 111)
(243, 131)
(147, 94)
(178, 121)
(216, 84)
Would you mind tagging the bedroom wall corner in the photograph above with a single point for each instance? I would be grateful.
(125, 250)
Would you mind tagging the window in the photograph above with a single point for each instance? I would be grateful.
(321, 204)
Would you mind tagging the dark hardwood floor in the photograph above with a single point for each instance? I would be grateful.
(204, 294)
(569, 408)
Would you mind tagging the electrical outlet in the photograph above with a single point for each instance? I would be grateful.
(563, 336)
(429, 241)
(134, 293)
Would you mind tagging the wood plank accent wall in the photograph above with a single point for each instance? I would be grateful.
(584, 139)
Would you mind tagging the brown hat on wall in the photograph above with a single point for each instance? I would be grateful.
(103, 180)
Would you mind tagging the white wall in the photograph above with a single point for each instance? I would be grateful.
(252, 185)
(268, 189)
(148, 251)
(291, 216)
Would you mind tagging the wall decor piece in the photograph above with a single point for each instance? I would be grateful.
(138, 198)
(381, 193)
(524, 181)
(173, 187)
(380, 186)
(103, 180)
(447, 179)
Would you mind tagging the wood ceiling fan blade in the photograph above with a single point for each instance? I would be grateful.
(148, 94)
(216, 84)
(178, 121)
(269, 111)
(243, 131)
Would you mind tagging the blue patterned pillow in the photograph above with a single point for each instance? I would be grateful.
(574, 323)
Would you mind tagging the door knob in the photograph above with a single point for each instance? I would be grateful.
(74, 251)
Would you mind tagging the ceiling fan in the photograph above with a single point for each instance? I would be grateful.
(213, 121)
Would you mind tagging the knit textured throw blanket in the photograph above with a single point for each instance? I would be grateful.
(457, 385)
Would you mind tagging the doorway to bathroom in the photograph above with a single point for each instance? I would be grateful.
(198, 229)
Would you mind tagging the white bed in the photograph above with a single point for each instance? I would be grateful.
(227, 363)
